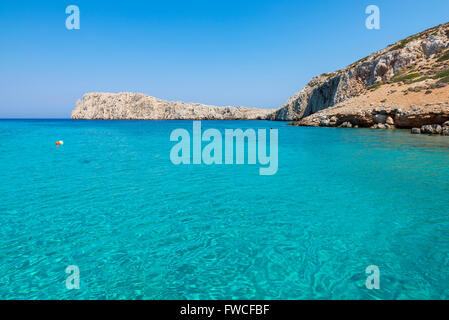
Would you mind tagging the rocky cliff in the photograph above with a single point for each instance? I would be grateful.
(404, 85)
(136, 106)
(406, 81)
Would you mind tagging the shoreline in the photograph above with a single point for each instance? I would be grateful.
(405, 85)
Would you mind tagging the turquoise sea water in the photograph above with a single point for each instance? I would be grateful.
(138, 227)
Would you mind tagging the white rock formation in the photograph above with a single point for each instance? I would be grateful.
(137, 106)
(420, 51)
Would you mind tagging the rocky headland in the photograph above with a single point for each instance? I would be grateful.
(405, 85)
(137, 106)
(402, 86)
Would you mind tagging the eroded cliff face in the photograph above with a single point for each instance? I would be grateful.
(136, 106)
(320, 93)
(407, 82)
(419, 51)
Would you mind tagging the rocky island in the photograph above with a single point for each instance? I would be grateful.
(402, 86)
(137, 106)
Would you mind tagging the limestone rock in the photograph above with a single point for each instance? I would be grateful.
(445, 131)
(364, 94)
(431, 129)
(380, 118)
(331, 89)
(390, 121)
(434, 44)
(136, 106)
(346, 124)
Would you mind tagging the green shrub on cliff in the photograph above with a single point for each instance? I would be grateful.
(406, 77)
(443, 74)
(420, 79)
(444, 57)
(403, 43)
(444, 80)
(374, 86)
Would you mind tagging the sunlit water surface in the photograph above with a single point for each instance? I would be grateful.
(138, 227)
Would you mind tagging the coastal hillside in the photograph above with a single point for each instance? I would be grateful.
(404, 85)
(137, 106)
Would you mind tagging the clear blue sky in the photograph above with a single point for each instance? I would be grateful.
(250, 53)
